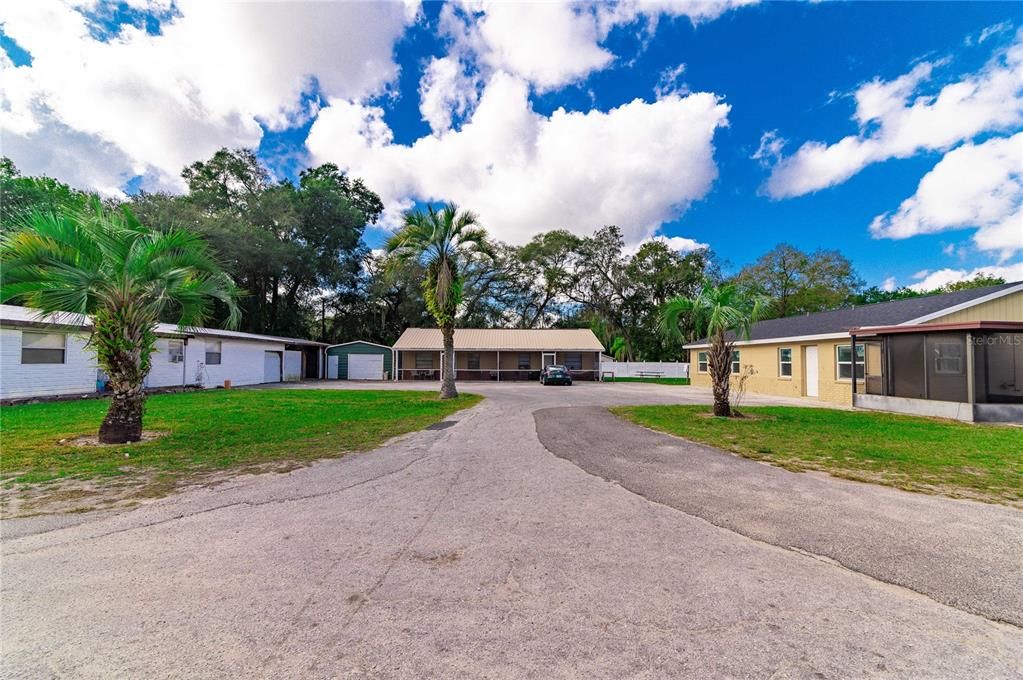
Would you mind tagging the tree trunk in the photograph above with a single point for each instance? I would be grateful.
(123, 422)
(447, 386)
(720, 371)
(124, 340)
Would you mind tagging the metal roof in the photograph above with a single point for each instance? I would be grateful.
(14, 315)
(894, 313)
(493, 339)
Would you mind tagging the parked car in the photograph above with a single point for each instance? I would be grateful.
(555, 375)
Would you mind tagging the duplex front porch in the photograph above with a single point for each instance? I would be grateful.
(496, 365)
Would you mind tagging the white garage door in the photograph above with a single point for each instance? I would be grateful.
(365, 366)
(271, 367)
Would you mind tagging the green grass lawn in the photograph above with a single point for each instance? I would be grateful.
(916, 454)
(655, 381)
(212, 430)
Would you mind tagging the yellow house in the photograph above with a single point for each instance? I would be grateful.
(961, 353)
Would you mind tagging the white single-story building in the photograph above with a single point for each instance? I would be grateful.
(50, 356)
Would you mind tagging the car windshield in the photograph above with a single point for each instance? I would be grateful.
(556, 371)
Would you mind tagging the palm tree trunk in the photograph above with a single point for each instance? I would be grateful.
(123, 422)
(123, 346)
(720, 369)
(447, 386)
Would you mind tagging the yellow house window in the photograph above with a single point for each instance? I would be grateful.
(702, 363)
(843, 354)
(736, 367)
(785, 362)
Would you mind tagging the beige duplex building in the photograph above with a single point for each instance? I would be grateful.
(498, 353)
(956, 355)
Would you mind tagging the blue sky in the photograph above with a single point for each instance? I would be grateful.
(661, 162)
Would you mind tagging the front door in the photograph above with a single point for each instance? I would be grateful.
(547, 360)
(812, 368)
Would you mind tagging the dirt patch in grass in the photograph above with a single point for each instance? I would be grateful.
(93, 440)
(737, 415)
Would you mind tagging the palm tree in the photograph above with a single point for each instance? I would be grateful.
(440, 240)
(105, 265)
(722, 313)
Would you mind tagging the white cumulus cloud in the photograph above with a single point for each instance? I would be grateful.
(931, 280)
(548, 44)
(637, 165)
(679, 244)
(974, 186)
(897, 122)
(155, 103)
(445, 91)
(552, 44)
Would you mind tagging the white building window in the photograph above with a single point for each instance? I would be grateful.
(42, 348)
(785, 362)
(843, 359)
(175, 351)
(736, 367)
(948, 358)
(213, 354)
(702, 362)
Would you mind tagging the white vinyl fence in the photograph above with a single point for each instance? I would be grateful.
(645, 369)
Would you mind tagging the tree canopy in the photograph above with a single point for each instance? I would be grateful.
(297, 250)
(799, 282)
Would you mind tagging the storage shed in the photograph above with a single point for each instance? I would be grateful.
(360, 360)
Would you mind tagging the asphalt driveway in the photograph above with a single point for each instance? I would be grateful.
(965, 554)
(468, 551)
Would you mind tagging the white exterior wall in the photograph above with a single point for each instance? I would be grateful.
(241, 361)
(162, 373)
(77, 375)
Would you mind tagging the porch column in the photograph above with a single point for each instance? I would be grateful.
(971, 385)
(498, 365)
(853, 348)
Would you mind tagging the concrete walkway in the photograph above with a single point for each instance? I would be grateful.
(469, 551)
